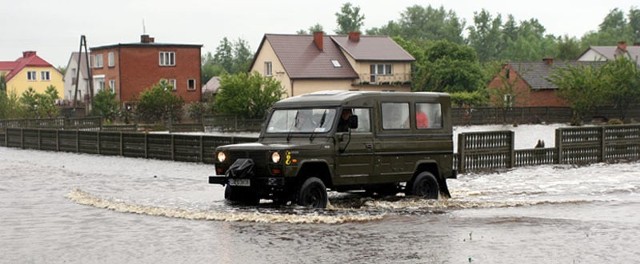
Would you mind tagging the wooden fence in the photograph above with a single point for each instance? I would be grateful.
(576, 145)
(476, 151)
(140, 145)
(231, 123)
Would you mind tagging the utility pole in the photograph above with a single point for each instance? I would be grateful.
(83, 43)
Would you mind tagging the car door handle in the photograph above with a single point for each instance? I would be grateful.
(368, 145)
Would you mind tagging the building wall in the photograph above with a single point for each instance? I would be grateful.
(137, 69)
(524, 96)
(592, 56)
(19, 82)
(69, 87)
(267, 54)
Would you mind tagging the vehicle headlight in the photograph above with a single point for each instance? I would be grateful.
(221, 156)
(275, 157)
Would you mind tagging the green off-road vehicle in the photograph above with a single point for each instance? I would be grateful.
(379, 142)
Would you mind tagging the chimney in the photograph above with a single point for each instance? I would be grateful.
(548, 61)
(146, 39)
(318, 39)
(354, 36)
(29, 53)
(622, 46)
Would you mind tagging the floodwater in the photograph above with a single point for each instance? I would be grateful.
(75, 208)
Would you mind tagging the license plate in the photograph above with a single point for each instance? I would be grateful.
(239, 182)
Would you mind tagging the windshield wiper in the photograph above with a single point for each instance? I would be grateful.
(324, 116)
(295, 124)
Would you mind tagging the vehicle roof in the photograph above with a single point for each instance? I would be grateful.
(341, 97)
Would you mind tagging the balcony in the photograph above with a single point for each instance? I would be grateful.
(388, 79)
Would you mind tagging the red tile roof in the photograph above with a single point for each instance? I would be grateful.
(29, 59)
(302, 59)
(373, 48)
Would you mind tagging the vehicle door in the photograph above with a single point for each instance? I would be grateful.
(354, 158)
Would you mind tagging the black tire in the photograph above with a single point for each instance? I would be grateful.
(240, 195)
(313, 194)
(424, 185)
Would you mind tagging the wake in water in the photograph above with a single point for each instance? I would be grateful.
(343, 209)
(84, 198)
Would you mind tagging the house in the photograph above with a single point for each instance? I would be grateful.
(526, 84)
(30, 71)
(309, 63)
(73, 69)
(607, 53)
(130, 68)
(211, 87)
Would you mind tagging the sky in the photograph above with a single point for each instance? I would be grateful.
(53, 28)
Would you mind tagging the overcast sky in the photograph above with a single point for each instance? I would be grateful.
(53, 28)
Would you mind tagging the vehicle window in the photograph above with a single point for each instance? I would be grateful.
(364, 120)
(395, 115)
(316, 120)
(428, 115)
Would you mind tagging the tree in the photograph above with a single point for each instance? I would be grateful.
(248, 95)
(349, 19)
(104, 104)
(315, 28)
(427, 23)
(3, 84)
(158, 103)
(582, 87)
(37, 105)
(485, 35)
(621, 80)
(568, 48)
(448, 67)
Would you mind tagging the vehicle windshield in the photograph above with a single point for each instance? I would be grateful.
(308, 120)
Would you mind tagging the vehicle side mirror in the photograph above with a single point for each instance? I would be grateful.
(353, 122)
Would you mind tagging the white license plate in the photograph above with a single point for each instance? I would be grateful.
(239, 182)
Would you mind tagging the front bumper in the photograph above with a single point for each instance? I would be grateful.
(255, 182)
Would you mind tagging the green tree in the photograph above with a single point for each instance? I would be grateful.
(568, 48)
(485, 35)
(621, 80)
(158, 103)
(582, 86)
(448, 67)
(315, 28)
(427, 23)
(10, 106)
(349, 19)
(105, 105)
(37, 105)
(248, 95)
(3, 84)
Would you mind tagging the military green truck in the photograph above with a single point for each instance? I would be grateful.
(380, 142)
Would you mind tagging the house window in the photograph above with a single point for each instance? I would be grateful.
(97, 61)
(173, 84)
(31, 75)
(99, 82)
(191, 84)
(112, 85)
(44, 75)
(379, 69)
(336, 64)
(268, 68)
(111, 59)
(508, 100)
(167, 58)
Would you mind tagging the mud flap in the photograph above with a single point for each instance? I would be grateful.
(444, 190)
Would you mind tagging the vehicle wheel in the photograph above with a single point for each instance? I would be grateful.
(313, 194)
(424, 185)
(240, 195)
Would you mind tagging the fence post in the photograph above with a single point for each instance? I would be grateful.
(98, 141)
(602, 144)
(121, 145)
(39, 140)
(461, 153)
(559, 146)
(512, 151)
(77, 141)
(22, 138)
(173, 148)
(201, 156)
(57, 139)
(146, 145)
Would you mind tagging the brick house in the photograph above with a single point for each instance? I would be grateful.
(129, 69)
(526, 84)
(309, 63)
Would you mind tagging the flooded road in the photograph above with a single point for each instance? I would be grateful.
(71, 208)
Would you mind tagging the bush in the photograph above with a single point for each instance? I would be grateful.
(158, 103)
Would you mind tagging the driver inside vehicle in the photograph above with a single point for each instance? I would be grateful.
(343, 124)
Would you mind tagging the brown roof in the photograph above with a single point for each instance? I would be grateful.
(373, 48)
(301, 58)
(537, 74)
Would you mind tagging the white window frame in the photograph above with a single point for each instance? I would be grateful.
(98, 80)
(45, 75)
(31, 76)
(111, 59)
(167, 58)
(268, 68)
(112, 85)
(173, 83)
(98, 61)
(191, 87)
